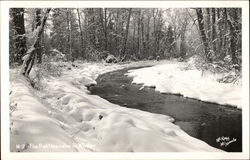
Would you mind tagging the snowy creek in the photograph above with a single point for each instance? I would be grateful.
(218, 125)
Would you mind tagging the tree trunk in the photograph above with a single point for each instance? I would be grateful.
(133, 48)
(31, 53)
(202, 32)
(224, 32)
(219, 32)
(182, 45)
(105, 29)
(20, 40)
(147, 37)
(126, 33)
(138, 33)
(213, 31)
(90, 26)
(119, 31)
(232, 43)
(81, 33)
(102, 29)
(142, 35)
(208, 26)
(235, 35)
(39, 47)
(233, 29)
(155, 31)
(69, 34)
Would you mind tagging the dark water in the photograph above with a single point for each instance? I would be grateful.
(205, 121)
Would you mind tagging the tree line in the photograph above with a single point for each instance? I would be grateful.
(127, 33)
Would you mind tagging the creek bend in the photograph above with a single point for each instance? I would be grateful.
(206, 121)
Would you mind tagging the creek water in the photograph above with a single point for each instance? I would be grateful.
(215, 124)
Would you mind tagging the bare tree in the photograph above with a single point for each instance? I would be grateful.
(208, 23)
(143, 34)
(31, 53)
(139, 33)
(126, 33)
(81, 33)
(105, 30)
(213, 30)
(148, 34)
(202, 32)
(39, 47)
(233, 29)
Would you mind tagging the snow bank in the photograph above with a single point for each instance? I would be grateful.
(30, 123)
(202, 85)
(63, 113)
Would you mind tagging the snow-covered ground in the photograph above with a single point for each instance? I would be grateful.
(174, 78)
(63, 116)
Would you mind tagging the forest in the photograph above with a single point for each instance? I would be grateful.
(128, 34)
(110, 79)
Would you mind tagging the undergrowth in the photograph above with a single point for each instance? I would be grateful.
(47, 69)
(229, 73)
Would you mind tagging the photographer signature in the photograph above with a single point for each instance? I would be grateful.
(225, 141)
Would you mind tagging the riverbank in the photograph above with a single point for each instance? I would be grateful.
(202, 120)
(185, 79)
(84, 122)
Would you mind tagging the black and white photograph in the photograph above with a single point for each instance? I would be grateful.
(125, 77)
